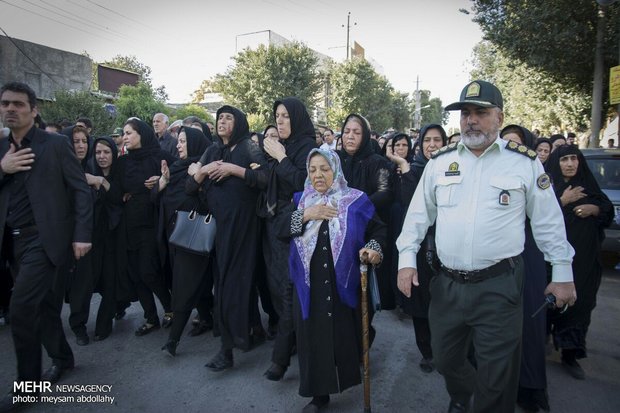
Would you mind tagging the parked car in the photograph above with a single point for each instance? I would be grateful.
(605, 165)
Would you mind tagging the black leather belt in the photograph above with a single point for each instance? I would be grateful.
(470, 277)
(24, 231)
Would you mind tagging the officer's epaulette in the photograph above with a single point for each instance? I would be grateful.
(521, 149)
(443, 150)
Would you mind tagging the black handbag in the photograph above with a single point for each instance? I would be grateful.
(373, 289)
(194, 232)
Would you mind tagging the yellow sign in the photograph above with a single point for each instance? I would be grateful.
(614, 85)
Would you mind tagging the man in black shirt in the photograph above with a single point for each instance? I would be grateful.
(45, 209)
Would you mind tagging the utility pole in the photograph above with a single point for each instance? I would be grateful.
(348, 30)
(418, 103)
(597, 92)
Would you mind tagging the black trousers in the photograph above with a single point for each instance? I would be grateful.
(191, 276)
(423, 336)
(145, 274)
(281, 288)
(35, 307)
(80, 292)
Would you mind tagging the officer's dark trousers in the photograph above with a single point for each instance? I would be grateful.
(281, 288)
(35, 307)
(490, 315)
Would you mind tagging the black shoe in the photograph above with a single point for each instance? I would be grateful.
(456, 407)
(120, 315)
(200, 328)
(541, 398)
(574, 369)
(170, 348)
(146, 328)
(166, 321)
(195, 320)
(222, 361)
(525, 400)
(82, 339)
(275, 372)
(55, 373)
(426, 365)
(100, 337)
(317, 403)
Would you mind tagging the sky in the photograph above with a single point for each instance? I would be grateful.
(187, 41)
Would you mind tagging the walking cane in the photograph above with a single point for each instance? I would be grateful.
(365, 340)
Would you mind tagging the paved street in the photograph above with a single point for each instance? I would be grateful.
(144, 380)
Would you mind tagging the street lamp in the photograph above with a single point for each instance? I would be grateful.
(417, 116)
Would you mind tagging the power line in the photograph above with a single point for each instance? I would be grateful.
(29, 58)
(57, 21)
(121, 15)
(79, 18)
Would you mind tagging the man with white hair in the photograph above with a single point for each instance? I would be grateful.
(166, 141)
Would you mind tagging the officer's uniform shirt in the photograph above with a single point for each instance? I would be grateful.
(480, 204)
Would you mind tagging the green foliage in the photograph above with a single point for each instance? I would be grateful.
(531, 97)
(434, 113)
(193, 110)
(260, 77)
(557, 38)
(74, 104)
(138, 101)
(357, 88)
(257, 122)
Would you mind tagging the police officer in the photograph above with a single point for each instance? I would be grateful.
(480, 191)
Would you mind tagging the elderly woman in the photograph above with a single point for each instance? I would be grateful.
(432, 137)
(229, 188)
(587, 211)
(332, 227)
(191, 274)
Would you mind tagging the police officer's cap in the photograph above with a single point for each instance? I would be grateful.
(479, 93)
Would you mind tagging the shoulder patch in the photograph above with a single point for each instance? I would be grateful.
(443, 150)
(521, 149)
(543, 181)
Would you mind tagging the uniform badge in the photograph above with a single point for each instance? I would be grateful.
(543, 181)
(504, 198)
(513, 144)
(473, 90)
(531, 153)
(453, 169)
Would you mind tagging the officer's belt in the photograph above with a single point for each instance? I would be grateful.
(470, 277)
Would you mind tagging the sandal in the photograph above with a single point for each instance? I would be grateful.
(146, 328)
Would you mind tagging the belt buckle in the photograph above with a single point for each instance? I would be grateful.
(463, 274)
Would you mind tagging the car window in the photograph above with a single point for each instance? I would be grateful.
(606, 171)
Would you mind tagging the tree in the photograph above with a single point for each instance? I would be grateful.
(531, 97)
(260, 77)
(73, 104)
(434, 112)
(557, 38)
(193, 110)
(138, 101)
(357, 88)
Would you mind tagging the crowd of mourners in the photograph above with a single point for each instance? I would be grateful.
(298, 207)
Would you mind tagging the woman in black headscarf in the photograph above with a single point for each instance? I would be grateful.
(587, 212)
(432, 137)
(532, 393)
(543, 149)
(229, 188)
(557, 140)
(286, 176)
(370, 173)
(190, 272)
(139, 172)
(107, 215)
